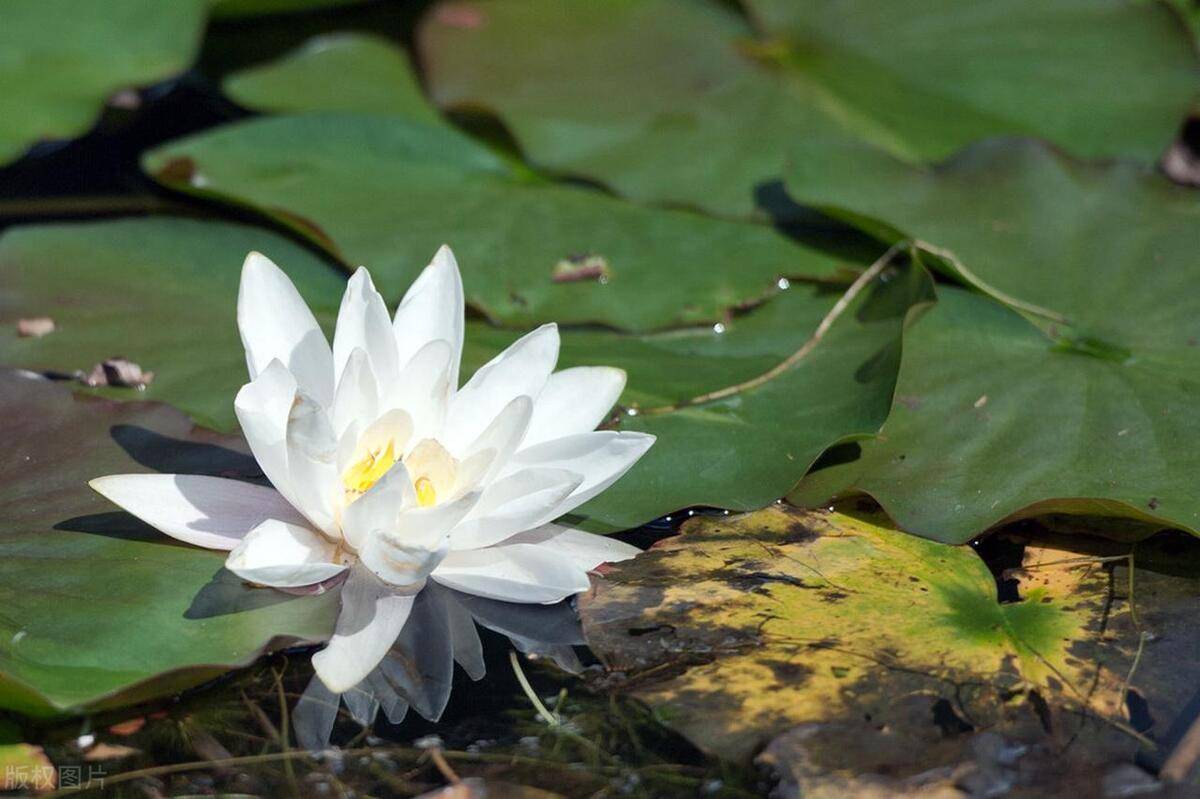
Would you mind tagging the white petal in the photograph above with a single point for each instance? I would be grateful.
(587, 550)
(518, 573)
(312, 450)
(357, 397)
(314, 715)
(574, 401)
(262, 408)
(522, 501)
(601, 457)
(522, 369)
(432, 309)
(394, 427)
(380, 507)
(363, 324)
(405, 552)
(276, 323)
(283, 555)
(494, 447)
(465, 643)
(424, 388)
(371, 618)
(210, 512)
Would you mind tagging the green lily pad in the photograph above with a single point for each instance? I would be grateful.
(100, 610)
(687, 102)
(999, 415)
(335, 72)
(161, 292)
(63, 58)
(746, 449)
(387, 191)
(816, 624)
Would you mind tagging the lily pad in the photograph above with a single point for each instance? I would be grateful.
(744, 628)
(98, 609)
(744, 450)
(334, 72)
(687, 102)
(999, 415)
(387, 191)
(162, 292)
(63, 58)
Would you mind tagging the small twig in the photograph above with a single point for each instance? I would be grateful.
(1137, 659)
(263, 721)
(552, 720)
(284, 724)
(542, 710)
(435, 754)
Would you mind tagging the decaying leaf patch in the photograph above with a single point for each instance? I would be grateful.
(880, 655)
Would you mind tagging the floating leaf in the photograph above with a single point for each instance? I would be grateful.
(996, 416)
(162, 292)
(63, 58)
(386, 192)
(99, 609)
(335, 72)
(683, 101)
(743, 628)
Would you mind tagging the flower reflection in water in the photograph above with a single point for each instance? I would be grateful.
(418, 671)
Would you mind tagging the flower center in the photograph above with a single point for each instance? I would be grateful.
(431, 468)
(426, 492)
(359, 478)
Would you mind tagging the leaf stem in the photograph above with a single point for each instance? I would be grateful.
(856, 288)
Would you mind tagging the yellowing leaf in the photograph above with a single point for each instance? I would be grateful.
(743, 628)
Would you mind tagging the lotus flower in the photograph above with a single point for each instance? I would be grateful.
(383, 467)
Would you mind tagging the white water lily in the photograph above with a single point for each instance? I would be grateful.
(383, 466)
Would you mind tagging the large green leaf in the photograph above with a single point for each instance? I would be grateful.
(61, 59)
(335, 72)
(995, 415)
(744, 450)
(682, 101)
(387, 191)
(878, 650)
(99, 609)
(161, 292)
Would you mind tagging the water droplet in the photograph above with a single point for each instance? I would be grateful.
(719, 328)
(783, 283)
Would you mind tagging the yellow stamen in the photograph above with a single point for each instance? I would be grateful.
(359, 478)
(426, 493)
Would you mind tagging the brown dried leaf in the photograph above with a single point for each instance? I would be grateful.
(106, 751)
(578, 268)
(35, 327)
(118, 371)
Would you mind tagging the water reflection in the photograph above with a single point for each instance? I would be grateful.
(418, 671)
